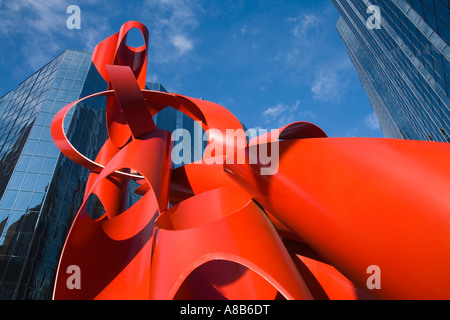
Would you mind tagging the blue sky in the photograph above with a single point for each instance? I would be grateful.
(269, 62)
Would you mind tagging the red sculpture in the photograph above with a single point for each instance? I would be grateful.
(339, 218)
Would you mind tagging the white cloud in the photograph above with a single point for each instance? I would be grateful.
(331, 81)
(42, 24)
(34, 22)
(243, 30)
(275, 111)
(311, 59)
(308, 25)
(170, 23)
(281, 114)
(326, 86)
(307, 115)
(351, 133)
(371, 121)
(181, 43)
(151, 77)
(32, 15)
(308, 46)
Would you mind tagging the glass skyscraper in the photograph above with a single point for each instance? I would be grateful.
(404, 65)
(40, 189)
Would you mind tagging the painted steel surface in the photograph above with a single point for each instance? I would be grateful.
(219, 229)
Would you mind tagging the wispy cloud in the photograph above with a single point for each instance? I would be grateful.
(281, 114)
(326, 86)
(307, 115)
(305, 26)
(183, 44)
(331, 81)
(311, 61)
(35, 23)
(243, 30)
(351, 133)
(371, 121)
(31, 16)
(42, 24)
(171, 23)
(306, 31)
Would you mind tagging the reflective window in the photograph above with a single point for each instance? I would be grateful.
(23, 163)
(30, 147)
(43, 182)
(36, 200)
(22, 201)
(36, 164)
(16, 180)
(29, 182)
(8, 199)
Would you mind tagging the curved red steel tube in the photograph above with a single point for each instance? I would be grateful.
(221, 230)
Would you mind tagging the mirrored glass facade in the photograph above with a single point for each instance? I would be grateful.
(404, 65)
(40, 190)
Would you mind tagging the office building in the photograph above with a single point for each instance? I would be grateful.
(403, 64)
